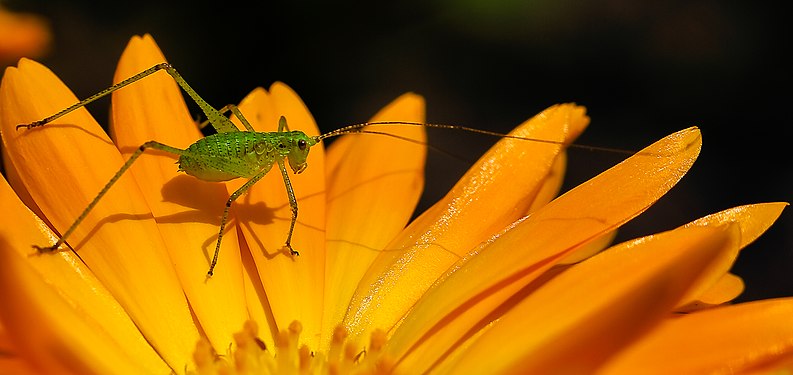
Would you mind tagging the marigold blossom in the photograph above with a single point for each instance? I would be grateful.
(500, 276)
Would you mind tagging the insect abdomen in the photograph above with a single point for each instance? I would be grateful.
(226, 156)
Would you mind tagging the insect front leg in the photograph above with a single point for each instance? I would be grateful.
(292, 203)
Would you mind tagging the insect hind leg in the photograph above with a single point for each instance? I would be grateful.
(236, 111)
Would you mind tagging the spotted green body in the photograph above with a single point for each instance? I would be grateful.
(226, 156)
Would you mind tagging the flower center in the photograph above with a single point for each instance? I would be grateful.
(251, 356)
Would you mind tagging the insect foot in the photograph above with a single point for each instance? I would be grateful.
(292, 251)
(45, 249)
(33, 124)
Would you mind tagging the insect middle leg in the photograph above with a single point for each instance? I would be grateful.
(282, 125)
(119, 173)
(242, 190)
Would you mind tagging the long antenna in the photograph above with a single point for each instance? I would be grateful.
(356, 128)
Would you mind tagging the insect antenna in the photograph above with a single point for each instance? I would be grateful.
(358, 128)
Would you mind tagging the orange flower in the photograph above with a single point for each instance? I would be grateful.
(22, 35)
(490, 279)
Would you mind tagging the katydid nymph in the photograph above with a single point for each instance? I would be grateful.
(232, 153)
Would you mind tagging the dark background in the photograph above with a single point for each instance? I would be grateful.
(643, 70)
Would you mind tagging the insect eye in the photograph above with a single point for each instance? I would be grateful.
(301, 144)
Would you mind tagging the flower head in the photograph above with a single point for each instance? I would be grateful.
(499, 276)
(22, 34)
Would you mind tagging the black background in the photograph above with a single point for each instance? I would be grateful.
(643, 70)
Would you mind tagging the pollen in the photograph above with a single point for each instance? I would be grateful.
(249, 355)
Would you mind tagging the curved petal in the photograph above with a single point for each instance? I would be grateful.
(590, 248)
(374, 184)
(15, 181)
(187, 210)
(753, 220)
(257, 302)
(65, 275)
(54, 337)
(10, 363)
(780, 364)
(580, 318)
(478, 289)
(294, 285)
(63, 165)
(725, 289)
(721, 340)
(552, 183)
(499, 188)
(550, 189)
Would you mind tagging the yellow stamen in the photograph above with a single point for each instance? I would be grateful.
(251, 356)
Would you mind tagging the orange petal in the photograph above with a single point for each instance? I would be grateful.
(753, 220)
(553, 181)
(12, 364)
(63, 165)
(294, 285)
(473, 291)
(781, 364)
(22, 35)
(499, 188)
(550, 189)
(66, 275)
(579, 319)
(15, 182)
(10, 361)
(551, 184)
(590, 248)
(58, 315)
(726, 288)
(374, 184)
(187, 210)
(726, 339)
(49, 332)
(258, 305)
